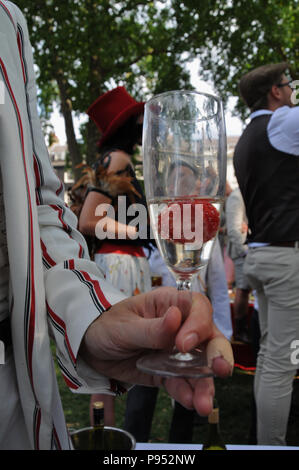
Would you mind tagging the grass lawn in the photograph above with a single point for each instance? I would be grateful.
(234, 396)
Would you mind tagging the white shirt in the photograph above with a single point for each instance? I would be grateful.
(283, 128)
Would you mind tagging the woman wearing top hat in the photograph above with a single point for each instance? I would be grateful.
(119, 254)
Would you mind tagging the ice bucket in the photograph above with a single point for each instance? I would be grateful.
(114, 439)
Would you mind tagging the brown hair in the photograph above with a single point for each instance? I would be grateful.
(255, 85)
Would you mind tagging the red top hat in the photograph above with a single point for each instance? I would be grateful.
(112, 109)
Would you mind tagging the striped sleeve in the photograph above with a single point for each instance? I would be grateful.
(76, 292)
(75, 298)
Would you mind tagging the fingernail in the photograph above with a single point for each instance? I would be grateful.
(220, 347)
(190, 342)
(213, 356)
(220, 356)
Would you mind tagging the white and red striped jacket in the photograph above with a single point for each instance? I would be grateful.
(55, 289)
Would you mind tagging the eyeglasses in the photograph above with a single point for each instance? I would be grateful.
(289, 84)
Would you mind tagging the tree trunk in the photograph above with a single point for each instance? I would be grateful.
(93, 134)
(93, 137)
(66, 109)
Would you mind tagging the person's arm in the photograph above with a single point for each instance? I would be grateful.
(95, 211)
(234, 213)
(218, 292)
(75, 291)
(283, 130)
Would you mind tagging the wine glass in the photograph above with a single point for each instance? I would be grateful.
(184, 168)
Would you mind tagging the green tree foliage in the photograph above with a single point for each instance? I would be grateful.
(84, 47)
(233, 36)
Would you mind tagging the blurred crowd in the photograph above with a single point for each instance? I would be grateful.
(255, 255)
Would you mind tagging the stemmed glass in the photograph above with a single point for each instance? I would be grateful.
(184, 168)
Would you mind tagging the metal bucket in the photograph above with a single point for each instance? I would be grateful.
(114, 439)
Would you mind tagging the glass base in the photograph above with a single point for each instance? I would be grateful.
(176, 364)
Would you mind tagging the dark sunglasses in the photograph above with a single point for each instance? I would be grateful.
(289, 84)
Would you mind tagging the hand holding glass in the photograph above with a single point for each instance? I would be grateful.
(184, 167)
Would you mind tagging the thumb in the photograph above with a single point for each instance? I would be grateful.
(159, 333)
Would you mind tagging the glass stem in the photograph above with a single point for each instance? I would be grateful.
(183, 284)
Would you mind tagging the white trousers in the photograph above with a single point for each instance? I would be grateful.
(130, 274)
(274, 273)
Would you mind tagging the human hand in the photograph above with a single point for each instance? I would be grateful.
(160, 319)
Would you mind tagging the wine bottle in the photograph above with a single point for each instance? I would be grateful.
(214, 439)
(97, 440)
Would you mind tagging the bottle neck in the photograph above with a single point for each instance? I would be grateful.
(214, 440)
(98, 416)
(213, 418)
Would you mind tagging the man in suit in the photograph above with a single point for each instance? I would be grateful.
(266, 164)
